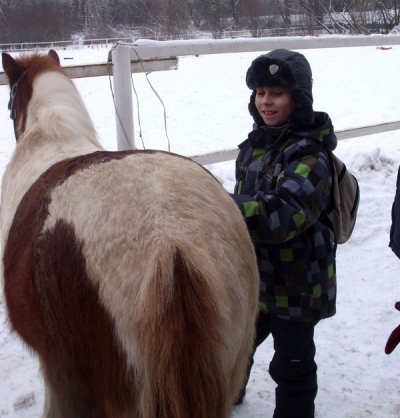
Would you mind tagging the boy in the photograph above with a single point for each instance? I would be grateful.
(283, 178)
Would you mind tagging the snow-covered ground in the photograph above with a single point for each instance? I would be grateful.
(206, 105)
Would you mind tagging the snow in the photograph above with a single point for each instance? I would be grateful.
(206, 110)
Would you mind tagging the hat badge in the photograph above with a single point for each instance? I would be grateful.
(273, 69)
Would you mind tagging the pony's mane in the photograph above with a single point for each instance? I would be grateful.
(38, 64)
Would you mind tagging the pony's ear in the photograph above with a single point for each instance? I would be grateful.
(11, 68)
(53, 54)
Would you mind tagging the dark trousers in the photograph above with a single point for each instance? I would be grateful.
(292, 367)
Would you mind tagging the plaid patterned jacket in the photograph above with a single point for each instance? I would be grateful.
(282, 198)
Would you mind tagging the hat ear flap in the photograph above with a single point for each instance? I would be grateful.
(253, 110)
(302, 116)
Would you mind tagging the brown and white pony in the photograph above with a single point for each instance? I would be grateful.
(131, 274)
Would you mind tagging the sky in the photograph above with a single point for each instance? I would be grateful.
(205, 103)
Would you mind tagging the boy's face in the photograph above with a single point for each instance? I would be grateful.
(275, 105)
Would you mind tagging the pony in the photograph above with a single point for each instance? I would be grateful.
(131, 274)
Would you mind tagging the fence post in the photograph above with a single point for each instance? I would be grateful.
(123, 98)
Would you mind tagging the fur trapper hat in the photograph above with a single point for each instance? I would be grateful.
(286, 69)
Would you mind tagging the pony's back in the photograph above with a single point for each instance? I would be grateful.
(133, 276)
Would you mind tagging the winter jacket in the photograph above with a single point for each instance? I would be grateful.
(394, 242)
(282, 193)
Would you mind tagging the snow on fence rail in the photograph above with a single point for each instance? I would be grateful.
(146, 55)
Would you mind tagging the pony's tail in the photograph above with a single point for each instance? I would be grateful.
(180, 340)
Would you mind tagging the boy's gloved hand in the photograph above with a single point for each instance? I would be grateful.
(394, 337)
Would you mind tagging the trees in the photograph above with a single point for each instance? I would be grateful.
(390, 13)
(36, 20)
(50, 20)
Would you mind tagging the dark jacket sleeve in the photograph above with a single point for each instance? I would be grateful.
(394, 242)
(296, 204)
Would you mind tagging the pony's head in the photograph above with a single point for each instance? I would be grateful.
(21, 72)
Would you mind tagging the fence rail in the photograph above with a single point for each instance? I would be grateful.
(230, 154)
(144, 49)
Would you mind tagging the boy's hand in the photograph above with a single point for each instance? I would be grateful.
(394, 337)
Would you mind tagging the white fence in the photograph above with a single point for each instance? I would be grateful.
(143, 56)
(77, 44)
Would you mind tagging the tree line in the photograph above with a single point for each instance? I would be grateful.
(53, 20)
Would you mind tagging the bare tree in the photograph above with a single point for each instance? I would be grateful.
(34, 20)
(234, 9)
(328, 16)
(390, 13)
(284, 9)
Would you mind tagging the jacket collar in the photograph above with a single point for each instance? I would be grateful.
(267, 137)
(320, 130)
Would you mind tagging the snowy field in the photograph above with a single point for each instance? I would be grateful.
(206, 106)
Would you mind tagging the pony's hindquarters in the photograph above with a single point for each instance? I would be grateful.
(181, 339)
(133, 276)
(193, 347)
